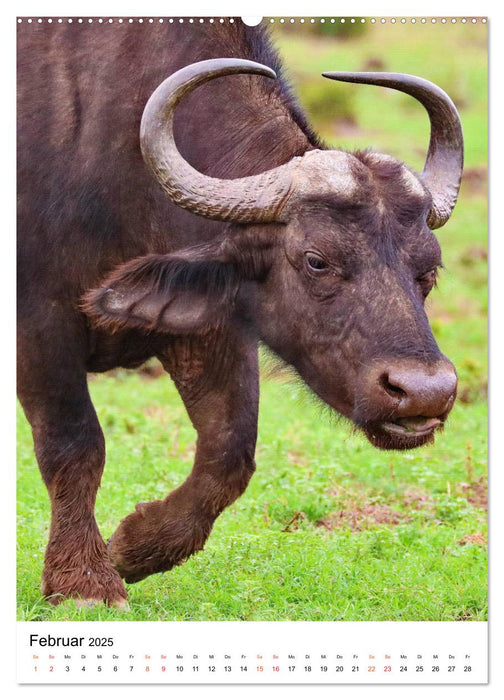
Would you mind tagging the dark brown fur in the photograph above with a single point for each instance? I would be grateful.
(112, 273)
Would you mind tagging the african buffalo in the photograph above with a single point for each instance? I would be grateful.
(174, 203)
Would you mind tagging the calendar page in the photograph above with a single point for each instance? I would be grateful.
(252, 350)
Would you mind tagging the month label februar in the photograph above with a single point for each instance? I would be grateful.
(252, 652)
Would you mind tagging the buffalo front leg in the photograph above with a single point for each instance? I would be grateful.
(70, 450)
(222, 401)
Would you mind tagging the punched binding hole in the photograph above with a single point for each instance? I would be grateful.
(251, 21)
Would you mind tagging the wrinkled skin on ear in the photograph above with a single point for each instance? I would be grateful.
(186, 292)
(164, 294)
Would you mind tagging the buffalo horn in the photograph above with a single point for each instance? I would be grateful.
(256, 198)
(443, 166)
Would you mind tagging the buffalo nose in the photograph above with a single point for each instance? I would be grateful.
(419, 389)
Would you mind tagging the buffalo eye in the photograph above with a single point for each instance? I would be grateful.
(315, 262)
(427, 281)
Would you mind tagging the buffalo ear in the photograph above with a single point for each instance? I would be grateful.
(165, 294)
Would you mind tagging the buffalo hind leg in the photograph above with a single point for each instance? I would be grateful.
(70, 450)
(221, 397)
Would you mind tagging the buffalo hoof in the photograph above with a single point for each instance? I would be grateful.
(154, 538)
(119, 604)
(89, 587)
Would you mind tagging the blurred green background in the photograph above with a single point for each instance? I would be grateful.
(329, 528)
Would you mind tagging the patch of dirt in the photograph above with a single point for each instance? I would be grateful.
(374, 63)
(414, 498)
(476, 538)
(151, 370)
(356, 513)
(475, 179)
(463, 617)
(473, 393)
(362, 517)
(472, 254)
(297, 458)
(347, 130)
(158, 414)
(477, 493)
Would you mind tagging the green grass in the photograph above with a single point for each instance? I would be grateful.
(329, 528)
(336, 560)
(360, 116)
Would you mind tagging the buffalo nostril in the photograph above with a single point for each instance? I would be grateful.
(392, 389)
(421, 390)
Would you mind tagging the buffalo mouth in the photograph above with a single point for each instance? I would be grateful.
(403, 433)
